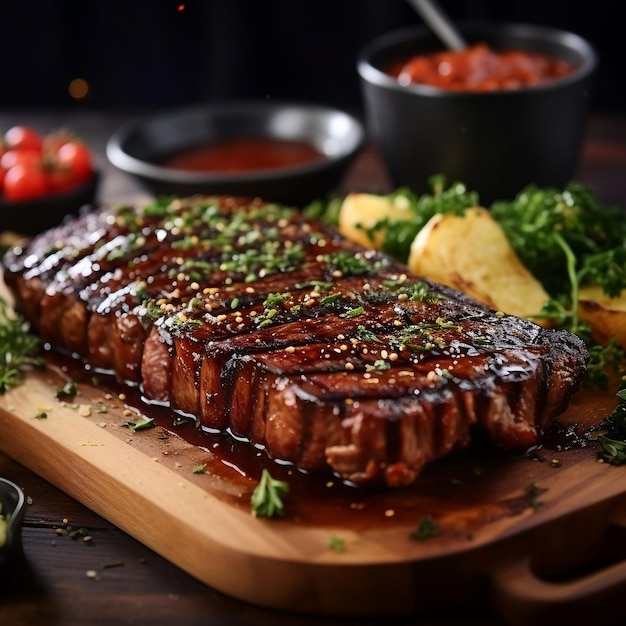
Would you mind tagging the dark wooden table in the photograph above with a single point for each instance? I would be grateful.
(53, 583)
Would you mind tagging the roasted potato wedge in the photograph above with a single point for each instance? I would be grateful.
(360, 212)
(606, 316)
(471, 253)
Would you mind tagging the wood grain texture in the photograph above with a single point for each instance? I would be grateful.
(144, 483)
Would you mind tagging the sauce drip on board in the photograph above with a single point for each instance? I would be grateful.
(244, 154)
(461, 493)
(480, 68)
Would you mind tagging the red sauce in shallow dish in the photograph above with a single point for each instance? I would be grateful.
(480, 68)
(244, 154)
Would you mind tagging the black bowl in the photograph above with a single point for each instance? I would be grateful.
(140, 147)
(12, 500)
(496, 142)
(30, 217)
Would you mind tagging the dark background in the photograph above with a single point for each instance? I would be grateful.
(138, 54)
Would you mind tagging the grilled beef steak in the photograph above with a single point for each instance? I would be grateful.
(261, 322)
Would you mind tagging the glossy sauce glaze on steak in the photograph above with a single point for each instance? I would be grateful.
(258, 321)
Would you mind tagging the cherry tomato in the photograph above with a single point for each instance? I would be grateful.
(25, 182)
(26, 156)
(53, 141)
(61, 179)
(23, 137)
(74, 156)
(34, 165)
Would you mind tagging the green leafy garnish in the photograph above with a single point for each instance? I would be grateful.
(68, 390)
(603, 361)
(267, 496)
(367, 335)
(18, 348)
(425, 529)
(533, 218)
(199, 469)
(140, 424)
(612, 444)
(337, 544)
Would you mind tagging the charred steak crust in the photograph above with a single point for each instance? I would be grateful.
(258, 321)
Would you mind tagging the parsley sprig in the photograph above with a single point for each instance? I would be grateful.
(18, 348)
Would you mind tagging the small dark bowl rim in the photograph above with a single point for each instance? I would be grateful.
(119, 157)
(16, 514)
(388, 41)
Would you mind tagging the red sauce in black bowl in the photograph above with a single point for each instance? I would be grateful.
(480, 68)
(244, 154)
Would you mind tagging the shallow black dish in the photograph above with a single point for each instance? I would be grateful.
(496, 142)
(30, 217)
(12, 500)
(139, 148)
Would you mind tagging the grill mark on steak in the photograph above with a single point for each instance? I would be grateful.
(260, 322)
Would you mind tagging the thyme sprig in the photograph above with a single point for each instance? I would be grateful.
(267, 497)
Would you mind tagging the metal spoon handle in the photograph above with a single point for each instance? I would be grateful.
(433, 15)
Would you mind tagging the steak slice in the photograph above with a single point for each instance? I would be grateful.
(258, 321)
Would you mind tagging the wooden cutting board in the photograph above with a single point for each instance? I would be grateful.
(521, 531)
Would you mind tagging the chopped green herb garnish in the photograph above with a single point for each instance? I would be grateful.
(140, 424)
(68, 390)
(367, 335)
(79, 533)
(425, 529)
(330, 299)
(267, 497)
(378, 366)
(337, 544)
(199, 469)
(350, 264)
(359, 310)
(533, 492)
